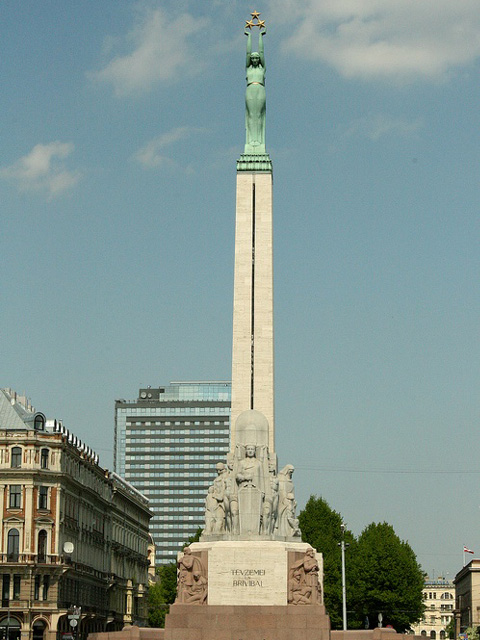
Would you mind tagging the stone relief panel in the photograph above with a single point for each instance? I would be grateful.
(304, 578)
(192, 587)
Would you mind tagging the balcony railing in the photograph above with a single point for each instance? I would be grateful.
(29, 558)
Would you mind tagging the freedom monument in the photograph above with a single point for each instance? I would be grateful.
(250, 577)
(251, 573)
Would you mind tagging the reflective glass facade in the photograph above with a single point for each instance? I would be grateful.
(167, 443)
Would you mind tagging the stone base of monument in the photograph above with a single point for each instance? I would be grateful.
(237, 622)
(254, 590)
(252, 573)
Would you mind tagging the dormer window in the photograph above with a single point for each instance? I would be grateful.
(39, 422)
(16, 457)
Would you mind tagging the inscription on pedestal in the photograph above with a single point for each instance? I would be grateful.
(251, 574)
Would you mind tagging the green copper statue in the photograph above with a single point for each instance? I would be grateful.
(255, 97)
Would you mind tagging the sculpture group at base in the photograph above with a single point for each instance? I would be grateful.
(192, 579)
(248, 497)
(303, 581)
(303, 575)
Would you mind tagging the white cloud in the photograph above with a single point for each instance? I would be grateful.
(159, 50)
(43, 169)
(398, 39)
(375, 127)
(150, 155)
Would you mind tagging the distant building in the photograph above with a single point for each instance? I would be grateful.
(72, 533)
(167, 443)
(467, 596)
(439, 600)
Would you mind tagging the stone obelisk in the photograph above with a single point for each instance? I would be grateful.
(252, 351)
(250, 572)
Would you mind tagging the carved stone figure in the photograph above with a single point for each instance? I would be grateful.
(219, 496)
(299, 592)
(286, 503)
(304, 585)
(250, 476)
(197, 593)
(255, 97)
(185, 574)
(274, 495)
(270, 505)
(231, 500)
(192, 582)
(250, 471)
(211, 506)
(292, 521)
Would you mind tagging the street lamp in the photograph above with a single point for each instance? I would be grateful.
(343, 545)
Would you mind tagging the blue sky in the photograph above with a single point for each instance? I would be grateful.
(121, 123)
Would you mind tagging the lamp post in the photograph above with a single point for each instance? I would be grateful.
(343, 546)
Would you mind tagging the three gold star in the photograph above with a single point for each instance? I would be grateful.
(259, 23)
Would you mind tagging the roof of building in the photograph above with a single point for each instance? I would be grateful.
(13, 414)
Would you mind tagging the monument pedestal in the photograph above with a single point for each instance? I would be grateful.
(237, 622)
(255, 590)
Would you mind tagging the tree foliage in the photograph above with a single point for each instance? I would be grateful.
(162, 594)
(321, 527)
(382, 572)
(387, 579)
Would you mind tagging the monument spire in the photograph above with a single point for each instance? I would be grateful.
(252, 349)
(250, 555)
(250, 499)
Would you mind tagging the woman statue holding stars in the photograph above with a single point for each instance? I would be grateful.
(255, 97)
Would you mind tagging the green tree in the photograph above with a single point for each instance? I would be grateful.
(386, 578)
(321, 527)
(162, 594)
(450, 628)
(472, 633)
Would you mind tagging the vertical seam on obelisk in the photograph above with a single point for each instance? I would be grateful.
(252, 319)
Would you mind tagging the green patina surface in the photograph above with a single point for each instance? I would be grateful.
(254, 162)
(255, 157)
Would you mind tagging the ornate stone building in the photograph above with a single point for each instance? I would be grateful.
(439, 600)
(72, 533)
(467, 597)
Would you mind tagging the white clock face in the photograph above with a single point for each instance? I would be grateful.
(68, 547)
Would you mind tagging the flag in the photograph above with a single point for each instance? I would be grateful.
(466, 550)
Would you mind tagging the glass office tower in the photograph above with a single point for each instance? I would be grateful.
(167, 443)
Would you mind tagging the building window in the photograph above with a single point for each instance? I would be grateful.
(46, 585)
(442, 635)
(17, 579)
(44, 458)
(39, 422)
(15, 499)
(16, 459)
(43, 498)
(36, 588)
(5, 589)
(13, 545)
(42, 546)
(433, 634)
